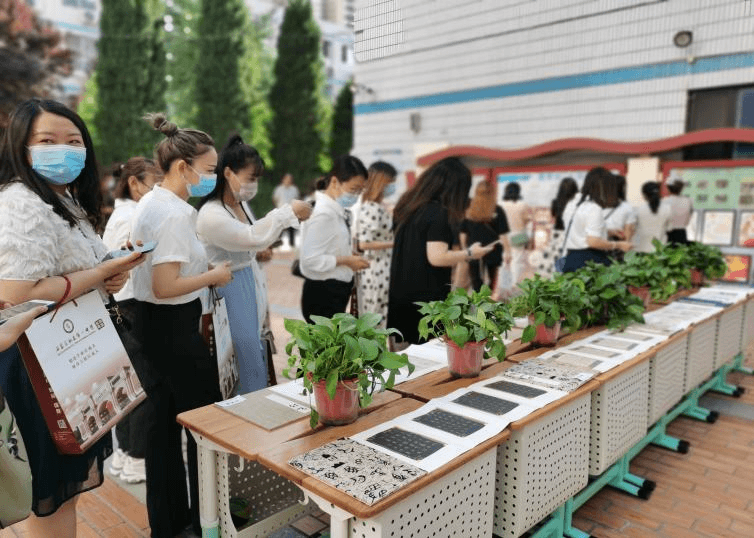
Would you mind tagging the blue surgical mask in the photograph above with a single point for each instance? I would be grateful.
(205, 186)
(59, 164)
(389, 190)
(347, 199)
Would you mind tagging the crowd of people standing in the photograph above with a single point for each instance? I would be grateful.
(383, 258)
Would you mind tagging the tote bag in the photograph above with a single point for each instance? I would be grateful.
(216, 332)
(15, 486)
(80, 371)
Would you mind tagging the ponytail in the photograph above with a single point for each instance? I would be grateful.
(651, 192)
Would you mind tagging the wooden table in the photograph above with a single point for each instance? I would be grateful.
(219, 433)
(343, 507)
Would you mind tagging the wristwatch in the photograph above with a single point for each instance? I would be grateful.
(468, 252)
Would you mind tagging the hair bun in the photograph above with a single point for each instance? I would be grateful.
(160, 123)
(235, 140)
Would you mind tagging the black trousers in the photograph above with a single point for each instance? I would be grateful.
(185, 377)
(130, 431)
(677, 236)
(324, 297)
(477, 276)
(576, 259)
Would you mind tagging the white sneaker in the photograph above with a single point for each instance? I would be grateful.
(134, 471)
(117, 462)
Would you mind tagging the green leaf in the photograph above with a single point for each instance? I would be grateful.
(459, 335)
(529, 333)
(332, 383)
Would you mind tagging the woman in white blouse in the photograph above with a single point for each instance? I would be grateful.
(168, 309)
(49, 198)
(681, 209)
(621, 219)
(134, 180)
(229, 233)
(586, 231)
(327, 259)
(653, 219)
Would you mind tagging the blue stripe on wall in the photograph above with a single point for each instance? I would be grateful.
(585, 80)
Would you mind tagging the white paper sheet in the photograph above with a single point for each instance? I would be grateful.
(294, 390)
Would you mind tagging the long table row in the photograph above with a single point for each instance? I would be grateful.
(530, 477)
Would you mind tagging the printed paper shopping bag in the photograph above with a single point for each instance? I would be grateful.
(82, 377)
(216, 332)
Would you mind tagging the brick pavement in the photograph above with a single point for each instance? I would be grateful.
(707, 493)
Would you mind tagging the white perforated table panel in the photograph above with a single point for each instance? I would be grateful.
(459, 504)
(666, 378)
(618, 417)
(729, 335)
(701, 355)
(541, 466)
(748, 324)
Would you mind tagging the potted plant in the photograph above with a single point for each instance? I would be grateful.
(705, 261)
(342, 360)
(548, 304)
(472, 325)
(660, 273)
(607, 299)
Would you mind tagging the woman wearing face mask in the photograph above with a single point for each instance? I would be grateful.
(168, 308)
(327, 259)
(49, 203)
(374, 237)
(229, 233)
(134, 180)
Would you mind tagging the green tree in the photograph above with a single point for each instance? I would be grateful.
(341, 136)
(182, 55)
(221, 106)
(127, 77)
(296, 97)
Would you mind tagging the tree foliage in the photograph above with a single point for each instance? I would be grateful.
(341, 137)
(222, 109)
(296, 97)
(130, 80)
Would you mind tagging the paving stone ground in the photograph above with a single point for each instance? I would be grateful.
(707, 493)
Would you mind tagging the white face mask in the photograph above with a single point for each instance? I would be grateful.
(246, 192)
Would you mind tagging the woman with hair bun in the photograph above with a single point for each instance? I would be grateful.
(229, 233)
(168, 309)
(654, 218)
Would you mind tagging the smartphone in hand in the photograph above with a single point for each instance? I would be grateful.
(8, 313)
(146, 248)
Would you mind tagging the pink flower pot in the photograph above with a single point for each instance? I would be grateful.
(545, 336)
(465, 361)
(343, 409)
(697, 278)
(642, 293)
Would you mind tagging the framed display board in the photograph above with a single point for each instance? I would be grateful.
(746, 229)
(738, 268)
(717, 228)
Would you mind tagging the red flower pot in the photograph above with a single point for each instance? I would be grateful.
(545, 336)
(343, 409)
(465, 361)
(642, 293)
(697, 278)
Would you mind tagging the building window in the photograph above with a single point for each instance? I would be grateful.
(344, 54)
(718, 108)
(326, 48)
(378, 31)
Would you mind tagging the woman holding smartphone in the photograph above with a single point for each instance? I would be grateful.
(229, 233)
(168, 308)
(49, 203)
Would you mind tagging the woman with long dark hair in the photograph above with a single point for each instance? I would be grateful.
(653, 218)
(586, 231)
(327, 260)
(567, 190)
(681, 209)
(49, 205)
(519, 216)
(422, 257)
(230, 233)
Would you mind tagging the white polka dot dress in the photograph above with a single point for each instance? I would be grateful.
(375, 224)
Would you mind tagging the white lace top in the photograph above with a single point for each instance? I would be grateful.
(35, 242)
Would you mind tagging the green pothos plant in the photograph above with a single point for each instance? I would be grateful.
(707, 259)
(468, 317)
(342, 348)
(549, 301)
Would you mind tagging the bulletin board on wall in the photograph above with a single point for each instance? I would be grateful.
(723, 196)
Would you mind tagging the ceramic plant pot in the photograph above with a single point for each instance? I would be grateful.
(465, 361)
(697, 278)
(343, 409)
(545, 336)
(642, 293)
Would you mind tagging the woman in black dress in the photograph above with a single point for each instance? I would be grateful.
(422, 256)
